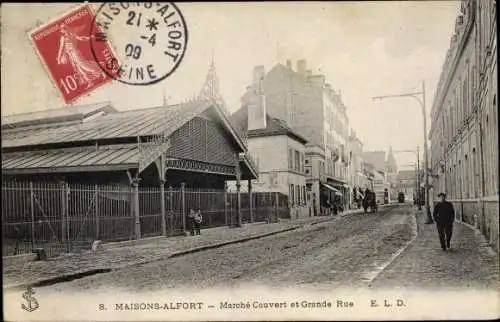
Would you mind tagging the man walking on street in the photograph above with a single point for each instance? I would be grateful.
(444, 216)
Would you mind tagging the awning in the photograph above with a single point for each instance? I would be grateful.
(346, 186)
(337, 192)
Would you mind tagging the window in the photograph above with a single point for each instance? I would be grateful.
(304, 196)
(297, 160)
(292, 199)
(290, 158)
(301, 162)
(297, 195)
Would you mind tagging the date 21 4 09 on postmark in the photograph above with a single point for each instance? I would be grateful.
(64, 48)
(149, 38)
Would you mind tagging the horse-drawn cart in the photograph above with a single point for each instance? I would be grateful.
(370, 201)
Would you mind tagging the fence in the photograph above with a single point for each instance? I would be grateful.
(69, 217)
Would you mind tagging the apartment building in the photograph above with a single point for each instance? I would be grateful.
(464, 120)
(310, 106)
(278, 149)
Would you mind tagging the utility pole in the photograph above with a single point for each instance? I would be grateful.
(426, 161)
(421, 101)
(419, 204)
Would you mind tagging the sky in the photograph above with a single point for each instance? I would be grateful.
(364, 49)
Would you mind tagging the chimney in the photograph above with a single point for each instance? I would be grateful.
(258, 76)
(256, 108)
(301, 67)
(289, 64)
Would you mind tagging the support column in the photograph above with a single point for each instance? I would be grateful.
(160, 165)
(97, 222)
(32, 207)
(183, 208)
(63, 211)
(250, 200)
(238, 195)
(162, 207)
(170, 211)
(225, 204)
(238, 205)
(137, 227)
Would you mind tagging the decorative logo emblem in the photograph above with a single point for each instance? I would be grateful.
(32, 302)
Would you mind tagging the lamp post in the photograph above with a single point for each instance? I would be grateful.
(420, 97)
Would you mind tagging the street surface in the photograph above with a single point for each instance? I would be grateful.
(344, 252)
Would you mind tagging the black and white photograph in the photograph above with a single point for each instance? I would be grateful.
(250, 161)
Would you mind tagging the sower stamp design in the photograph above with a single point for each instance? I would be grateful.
(150, 39)
(64, 47)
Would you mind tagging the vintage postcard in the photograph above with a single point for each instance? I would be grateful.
(226, 161)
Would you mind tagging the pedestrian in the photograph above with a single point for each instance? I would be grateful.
(328, 207)
(444, 216)
(195, 218)
(333, 208)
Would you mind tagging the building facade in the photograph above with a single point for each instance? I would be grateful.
(357, 178)
(279, 151)
(464, 116)
(309, 105)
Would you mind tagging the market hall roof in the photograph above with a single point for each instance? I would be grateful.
(124, 124)
(104, 158)
(42, 148)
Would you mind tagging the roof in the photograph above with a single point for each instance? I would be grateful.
(47, 148)
(133, 123)
(55, 115)
(275, 126)
(72, 159)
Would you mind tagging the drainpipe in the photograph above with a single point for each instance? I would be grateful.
(483, 183)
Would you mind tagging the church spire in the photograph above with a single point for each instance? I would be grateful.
(210, 90)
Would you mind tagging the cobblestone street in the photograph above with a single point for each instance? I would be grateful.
(355, 250)
(341, 252)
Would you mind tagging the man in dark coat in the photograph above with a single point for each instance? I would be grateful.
(444, 216)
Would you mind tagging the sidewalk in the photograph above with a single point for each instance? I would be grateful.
(470, 263)
(119, 255)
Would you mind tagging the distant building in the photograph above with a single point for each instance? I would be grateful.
(464, 120)
(279, 150)
(407, 183)
(386, 167)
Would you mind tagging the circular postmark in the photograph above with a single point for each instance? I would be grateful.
(149, 40)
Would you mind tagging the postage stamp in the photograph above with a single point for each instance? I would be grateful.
(150, 40)
(64, 48)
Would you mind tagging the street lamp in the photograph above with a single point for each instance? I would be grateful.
(420, 97)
